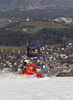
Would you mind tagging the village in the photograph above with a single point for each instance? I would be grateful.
(54, 59)
(63, 20)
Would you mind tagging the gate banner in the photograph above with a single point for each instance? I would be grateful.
(35, 52)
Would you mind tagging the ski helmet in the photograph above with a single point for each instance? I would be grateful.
(25, 61)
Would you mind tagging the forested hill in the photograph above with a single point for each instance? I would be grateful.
(18, 33)
(35, 4)
(45, 36)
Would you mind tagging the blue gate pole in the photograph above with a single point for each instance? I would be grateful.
(40, 57)
(27, 48)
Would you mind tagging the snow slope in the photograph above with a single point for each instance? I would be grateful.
(22, 87)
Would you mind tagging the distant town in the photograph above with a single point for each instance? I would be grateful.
(54, 58)
(64, 20)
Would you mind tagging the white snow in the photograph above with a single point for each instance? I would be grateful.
(22, 87)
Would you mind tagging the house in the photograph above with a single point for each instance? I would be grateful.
(62, 55)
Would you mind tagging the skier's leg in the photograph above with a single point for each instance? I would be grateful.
(28, 71)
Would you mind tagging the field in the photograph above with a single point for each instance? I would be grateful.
(34, 26)
(2, 24)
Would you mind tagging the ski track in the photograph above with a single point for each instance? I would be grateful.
(22, 87)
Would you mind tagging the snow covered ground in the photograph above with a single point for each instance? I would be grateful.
(22, 87)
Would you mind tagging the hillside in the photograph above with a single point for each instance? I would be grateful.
(33, 26)
(37, 4)
(16, 34)
(36, 9)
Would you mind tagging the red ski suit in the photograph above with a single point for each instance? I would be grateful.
(28, 71)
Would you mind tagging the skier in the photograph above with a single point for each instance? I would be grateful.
(27, 71)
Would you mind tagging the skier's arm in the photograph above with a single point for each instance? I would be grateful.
(31, 65)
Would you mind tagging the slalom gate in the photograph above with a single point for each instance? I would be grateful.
(35, 52)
